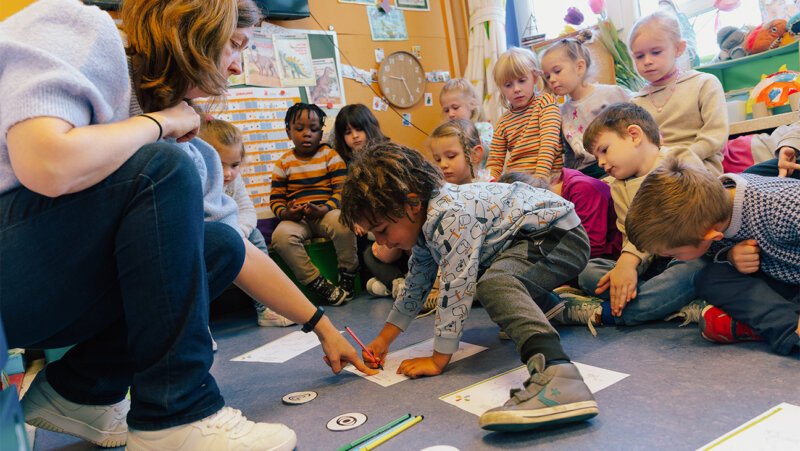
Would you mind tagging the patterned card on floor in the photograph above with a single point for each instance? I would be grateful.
(773, 429)
(282, 349)
(493, 392)
(388, 376)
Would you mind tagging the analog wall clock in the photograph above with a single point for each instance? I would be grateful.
(401, 79)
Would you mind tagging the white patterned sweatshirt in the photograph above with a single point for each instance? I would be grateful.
(465, 229)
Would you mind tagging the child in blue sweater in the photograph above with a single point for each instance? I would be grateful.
(506, 245)
(749, 225)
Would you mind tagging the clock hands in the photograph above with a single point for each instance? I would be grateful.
(404, 84)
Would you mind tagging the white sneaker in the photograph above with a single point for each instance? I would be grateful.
(213, 342)
(102, 425)
(268, 318)
(397, 286)
(376, 288)
(226, 430)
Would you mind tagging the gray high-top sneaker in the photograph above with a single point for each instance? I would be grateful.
(553, 395)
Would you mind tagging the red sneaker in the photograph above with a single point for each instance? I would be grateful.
(718, 326)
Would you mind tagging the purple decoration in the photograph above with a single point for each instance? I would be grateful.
(574, 16)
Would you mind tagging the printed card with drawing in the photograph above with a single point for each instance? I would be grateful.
(388, 376)
(493, 392)
(327, 92)
(294, 59)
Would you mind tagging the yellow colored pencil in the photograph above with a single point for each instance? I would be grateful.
(386, 437)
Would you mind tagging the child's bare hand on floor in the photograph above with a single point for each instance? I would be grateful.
(424, 366)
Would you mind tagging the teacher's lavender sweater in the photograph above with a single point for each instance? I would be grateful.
(59, 58)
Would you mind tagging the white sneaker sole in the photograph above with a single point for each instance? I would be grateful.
(519, 420)
(53, 421)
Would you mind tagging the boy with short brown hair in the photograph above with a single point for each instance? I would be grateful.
(749, 225)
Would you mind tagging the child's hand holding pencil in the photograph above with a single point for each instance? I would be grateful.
(369, 355)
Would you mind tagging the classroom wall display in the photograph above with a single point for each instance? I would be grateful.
(260, 62)
(294, 59)
(385, 26)
(328, 91)
(259, 113)
(416, 5)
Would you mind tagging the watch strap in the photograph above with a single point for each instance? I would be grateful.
(312, 323)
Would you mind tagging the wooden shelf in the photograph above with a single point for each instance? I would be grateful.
(763, 123)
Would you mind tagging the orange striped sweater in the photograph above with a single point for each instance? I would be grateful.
(317, 179)
(532, 138)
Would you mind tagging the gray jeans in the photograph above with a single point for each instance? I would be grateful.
(289, 238)
(518, 283)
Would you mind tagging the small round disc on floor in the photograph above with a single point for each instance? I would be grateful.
(347, 421)
(299, 397)
(440, 448)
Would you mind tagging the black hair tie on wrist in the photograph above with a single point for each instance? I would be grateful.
(160, 130)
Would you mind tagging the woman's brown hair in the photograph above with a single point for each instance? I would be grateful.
(176, 45)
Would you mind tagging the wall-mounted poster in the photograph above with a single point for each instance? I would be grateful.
(416, 5)
(261, 66)
(389, 26)
(327, 92)
(294, 59)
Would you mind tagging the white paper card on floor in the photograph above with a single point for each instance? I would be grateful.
(388, 375)
(282, 349)
(493, 392)
(775, 429)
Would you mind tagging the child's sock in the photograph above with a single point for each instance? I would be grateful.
(606, 317)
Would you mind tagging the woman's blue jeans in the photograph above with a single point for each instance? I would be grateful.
(124, 271)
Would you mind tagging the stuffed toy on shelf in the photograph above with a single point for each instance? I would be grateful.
(767, 36)
(731, 43)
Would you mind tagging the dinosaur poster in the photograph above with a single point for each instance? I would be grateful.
(261, 65)
(294, 59)
(327, 92)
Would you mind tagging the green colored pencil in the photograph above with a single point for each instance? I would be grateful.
(363, 439)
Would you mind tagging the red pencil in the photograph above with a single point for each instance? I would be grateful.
(364, 347)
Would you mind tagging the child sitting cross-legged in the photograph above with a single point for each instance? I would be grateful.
(507, 245)
(306, 191)
(749, 225)
(624, 138)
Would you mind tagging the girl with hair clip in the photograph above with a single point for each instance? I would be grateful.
(101, 145)
(459, 101)
(688, 106)
(567, 66)
(528, 136)
(355, 127)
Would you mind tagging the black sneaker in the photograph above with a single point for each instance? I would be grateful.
(328, 291)
(347, 283)
(553, 395)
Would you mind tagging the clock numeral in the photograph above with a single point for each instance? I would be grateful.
(416, 89)
(391, 60)
(402, 100)
(401, 57)
(416, 69)
(384, 78)
(387, 90)
(419, 80)
(393, 96)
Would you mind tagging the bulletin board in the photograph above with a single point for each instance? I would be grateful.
(431, 31)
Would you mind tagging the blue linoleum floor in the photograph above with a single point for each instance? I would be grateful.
(682, 392)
